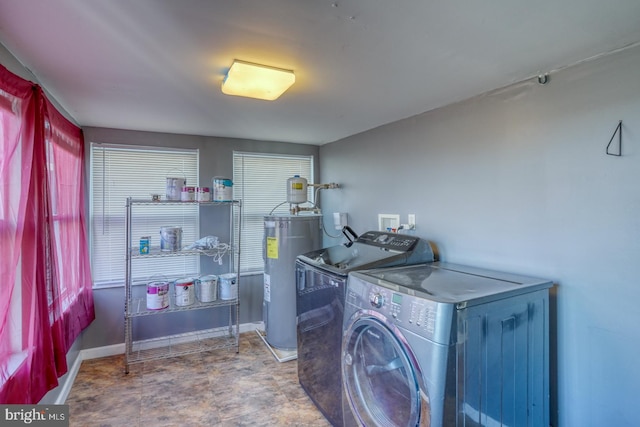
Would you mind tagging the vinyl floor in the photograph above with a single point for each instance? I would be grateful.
(216, 388)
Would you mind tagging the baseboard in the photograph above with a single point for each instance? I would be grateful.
(65, 387)
(250, 327)
(104, 351)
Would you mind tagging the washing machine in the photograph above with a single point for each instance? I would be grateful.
(445, 345)
(321, 278)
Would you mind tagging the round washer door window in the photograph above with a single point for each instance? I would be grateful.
(380, 382)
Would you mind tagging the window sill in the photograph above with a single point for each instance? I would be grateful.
(12, 365)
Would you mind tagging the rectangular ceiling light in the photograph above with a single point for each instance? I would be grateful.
(256, 81)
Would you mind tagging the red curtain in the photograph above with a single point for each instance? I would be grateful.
(45, 292)
(71, 299)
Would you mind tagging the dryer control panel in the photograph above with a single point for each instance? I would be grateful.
(417, 314)
(413, 313)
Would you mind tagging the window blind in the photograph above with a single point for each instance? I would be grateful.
(118, 172)
(260, 181)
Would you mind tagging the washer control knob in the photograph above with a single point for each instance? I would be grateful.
(376, 300)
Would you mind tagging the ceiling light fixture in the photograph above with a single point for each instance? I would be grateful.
(256, 81)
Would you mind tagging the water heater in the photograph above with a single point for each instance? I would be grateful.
(285, 237)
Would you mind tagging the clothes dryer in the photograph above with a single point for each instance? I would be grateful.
(444, 345)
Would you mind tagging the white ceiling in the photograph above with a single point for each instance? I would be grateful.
(157, 65)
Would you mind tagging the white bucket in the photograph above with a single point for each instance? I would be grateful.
(174, 187)
(228, 286)
(157, 295)
(185, 292)
(222, 189)
(170, 239)
(207, 288)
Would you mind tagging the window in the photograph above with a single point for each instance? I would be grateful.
(260, 181)
(13, 174)
(64, 159)
(118, 172)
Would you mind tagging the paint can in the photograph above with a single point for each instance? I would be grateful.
(222, 189)
(188, 194)
(174, 187)
(203, 194)
(157, 295)
(228, 286)
(145, 241)
(170, 239)
(207, 288)
(185, 292)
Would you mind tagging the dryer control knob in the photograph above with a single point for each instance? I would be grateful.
(376, 300)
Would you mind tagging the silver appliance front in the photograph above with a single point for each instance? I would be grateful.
(393, 375)
(471, 343)
(383, 385)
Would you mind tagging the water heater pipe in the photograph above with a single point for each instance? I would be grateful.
(295, 208)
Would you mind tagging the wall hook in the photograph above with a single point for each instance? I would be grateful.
(543, 79)
(619, 132)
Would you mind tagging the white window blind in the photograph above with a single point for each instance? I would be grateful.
(260, 181)
(118, 172)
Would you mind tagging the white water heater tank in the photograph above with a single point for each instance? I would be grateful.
(296, 189)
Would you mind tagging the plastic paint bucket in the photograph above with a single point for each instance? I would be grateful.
(185, 292)
(228, 286)
(157, 295)
(222, 189)
(174, 187)
(170, 239)
(207, 288)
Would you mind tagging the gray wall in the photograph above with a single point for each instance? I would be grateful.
(216, 159)
(518, 180)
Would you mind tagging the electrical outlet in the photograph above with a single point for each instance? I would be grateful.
(411, 219)
(339, 220)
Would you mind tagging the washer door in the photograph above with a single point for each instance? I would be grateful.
(381, 383)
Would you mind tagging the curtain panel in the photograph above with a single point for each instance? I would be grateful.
(46, 297)
(70, 287)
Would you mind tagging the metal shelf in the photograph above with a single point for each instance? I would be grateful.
(181, 344)
(178, 202)
(155, 252)
(192, 342)
(138, 306)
